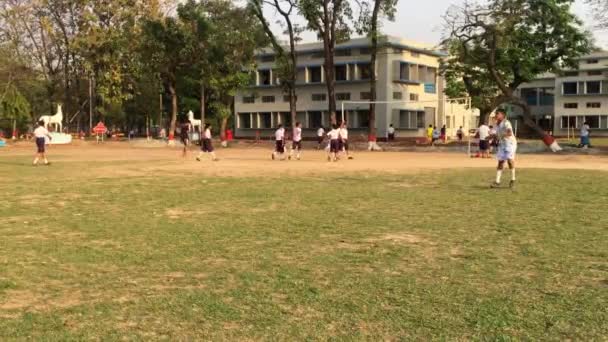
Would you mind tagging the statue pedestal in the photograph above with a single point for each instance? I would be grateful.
(59, 138)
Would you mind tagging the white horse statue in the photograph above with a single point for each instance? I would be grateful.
(56, 119)
(194, 122)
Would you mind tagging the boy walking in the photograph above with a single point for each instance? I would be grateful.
(344, 140)
(207, 144)
(40, 134)
(320, 137)
(334, 143)
(507, 147)
(296, 141)
(279, 138)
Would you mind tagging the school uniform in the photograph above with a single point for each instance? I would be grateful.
(391, 133)
(334, 141)
(40, 133)
(320, 134)
(207, 145)
(279, 136)
(184, 137)
(343, 139)
(297, 139)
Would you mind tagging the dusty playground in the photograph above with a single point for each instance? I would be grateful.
(254, 160)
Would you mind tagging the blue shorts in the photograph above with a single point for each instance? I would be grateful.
(40, 142)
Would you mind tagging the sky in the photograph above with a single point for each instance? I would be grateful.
(422, 21)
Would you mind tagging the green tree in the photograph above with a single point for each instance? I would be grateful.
(514, 41)
(14, 107)
(368, 24)
(329, 19)
(286, 60)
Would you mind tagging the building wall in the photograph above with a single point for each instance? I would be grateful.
(405, 73)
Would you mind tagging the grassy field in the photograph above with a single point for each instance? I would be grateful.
(365, 256)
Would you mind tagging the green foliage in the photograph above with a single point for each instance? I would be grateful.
(13, 105)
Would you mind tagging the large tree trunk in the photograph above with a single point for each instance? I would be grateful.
(292, 107)
(173, 111)
(372, 131)
(223, 126)
(202, 107)
(529, 121)
(329, 75)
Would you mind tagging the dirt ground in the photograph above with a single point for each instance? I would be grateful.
(254, 161)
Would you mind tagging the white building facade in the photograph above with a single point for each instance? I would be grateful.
(407, 76)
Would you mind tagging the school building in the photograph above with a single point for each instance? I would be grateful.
(562, 103)
(407, 77)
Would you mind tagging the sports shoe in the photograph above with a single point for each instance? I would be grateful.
(351, 157)
(512, 184)
(328, 158)
(289, 157)
(495, 185)
(47, 164)
(216, 159)
(273, 156)
(198, 158)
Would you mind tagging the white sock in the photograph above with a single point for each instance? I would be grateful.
(36, 160)
(498, 175)
(513, 174)
(213, 155)
(46, 161)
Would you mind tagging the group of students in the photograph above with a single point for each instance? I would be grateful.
(486, 135)
(205, 141)
(337, 142)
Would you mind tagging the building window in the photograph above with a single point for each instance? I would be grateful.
(594, 73)
(604, 122)
(245, 120)
(343, 96)
(267, 58)
(593, 87)
(265, 120)
(267, 99)
(397, 95)
(571, 105)
(365, 71)
(343, 52)
(547, 97)
(319, 97)
(365, 95)
(362, 118)
(414, 97)
(264, 77)
(593, 121)
(411, 119)
(569, 88)
(593, 105)
(404, 71)
(249, 99)
(365, 51)
(569, 122)
(286, 98)
(314, 74)
(315, 119)
(570, 73)
(530, 96)
(340, 72)
(592, 61)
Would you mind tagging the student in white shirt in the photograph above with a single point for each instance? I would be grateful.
(391, 132)
(334, 143)
(507, 147)
(207, 144)
(279, 138)
(297, 141)
(320, 137)
(40, 134)
(344, 140)
(484, 144)
(585, 129)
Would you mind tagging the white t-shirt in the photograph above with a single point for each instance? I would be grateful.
(40, 132)
(297, 134)
(320, 132)
(279, 134)
(484, 132)
(585, 131)
(391, 130)
(344, 133)
(502, 130)
(334, 134)
(207, 134)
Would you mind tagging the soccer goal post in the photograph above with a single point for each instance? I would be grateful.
(451, 112)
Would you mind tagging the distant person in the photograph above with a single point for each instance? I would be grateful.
(492, 139)
(391, 133)
(296, 144)
(429, 134)
(334, 143)
(585, 131)
(279, 140)
(207, 144)
(443, 135)
(184, 136)
(460, 133)
(320, 137)
(483, 133)
(163, 133)
(41, 133)
(436, 135)
(344, 140)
